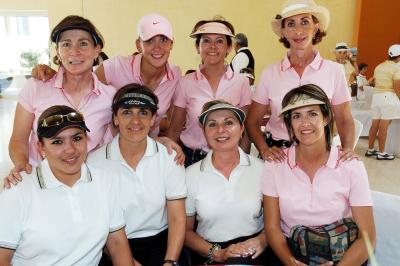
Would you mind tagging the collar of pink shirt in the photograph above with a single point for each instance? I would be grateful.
(315, 64)
(227, 76)
(331, 163)
(136, 61)
(60, 76)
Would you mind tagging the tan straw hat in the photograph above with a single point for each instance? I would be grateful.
(296, 7)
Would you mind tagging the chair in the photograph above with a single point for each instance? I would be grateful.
(358, 129)
(387, 217)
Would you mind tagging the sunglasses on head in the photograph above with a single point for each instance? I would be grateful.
(56, 120)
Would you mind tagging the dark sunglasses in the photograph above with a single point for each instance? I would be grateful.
(56, 120)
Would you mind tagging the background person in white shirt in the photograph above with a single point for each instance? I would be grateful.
(152, 187)
(224, 194)
(363, 81)
(243, 58)
(64, 211)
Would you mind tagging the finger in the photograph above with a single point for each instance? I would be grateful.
(10, 180)
(47, 72)
(6, 184)
(346, 156)
(18, 177)
(299, 263)
(182, 160)
(255, 255)
(278, 157)
(28, 168)
(41, 72)
(269, 158)
(179, 159)
(12, 177)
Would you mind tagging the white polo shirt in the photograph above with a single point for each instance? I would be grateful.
(225, 208)
(144, 192)
(50, 223)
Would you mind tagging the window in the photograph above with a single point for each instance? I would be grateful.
(24, 42)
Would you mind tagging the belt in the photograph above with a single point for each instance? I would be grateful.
(276, 143)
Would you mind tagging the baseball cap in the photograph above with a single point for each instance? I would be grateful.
(152, 25)
(394, 50)
(342, 46)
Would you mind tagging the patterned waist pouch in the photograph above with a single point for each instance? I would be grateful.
(316, 245)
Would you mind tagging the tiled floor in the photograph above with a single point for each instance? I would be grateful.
(383, 175)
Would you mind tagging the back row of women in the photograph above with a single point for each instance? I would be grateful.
(224, 192)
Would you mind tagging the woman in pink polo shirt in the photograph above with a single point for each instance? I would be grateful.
(213, 80)
(149, 67)
(78, 44)
(312, 188)
(300, 26)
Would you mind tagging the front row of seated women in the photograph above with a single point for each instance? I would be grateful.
(55, 216)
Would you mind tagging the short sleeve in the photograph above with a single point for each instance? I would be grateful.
(245, 96)
(27, 94)
(11, 218)
(261, 93)
(110, 67)
(360, 193)
(180, 94)
(396, 75)
(341, 92)
(117, 220)
(190, 202)
(359, 81)
(268, 181)
(175, 181)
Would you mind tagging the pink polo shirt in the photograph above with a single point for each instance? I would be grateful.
(37, 96)
(280, 77)
(193, 91)
(123, 70)
(335, 188)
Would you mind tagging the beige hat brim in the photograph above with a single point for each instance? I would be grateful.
(300, 103)
(320, 12)
(212, 27)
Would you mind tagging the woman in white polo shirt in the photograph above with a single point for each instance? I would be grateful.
(64, 211)
(152, 187)
(224, 194)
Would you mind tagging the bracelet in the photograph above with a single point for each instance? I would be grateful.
(172, 262)
(210, 255)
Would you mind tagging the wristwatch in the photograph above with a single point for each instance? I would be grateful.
(210, 256)
(172, 262)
